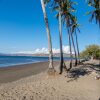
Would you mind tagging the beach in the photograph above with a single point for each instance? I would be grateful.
(31, 82)
(49, 50)
(12, 73)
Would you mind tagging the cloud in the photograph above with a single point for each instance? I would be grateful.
(44, 50)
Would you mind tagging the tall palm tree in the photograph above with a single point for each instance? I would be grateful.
(60, 37)
(51, 67)
(65, 8)
(75, 28)
(68, 9)
(57, 5)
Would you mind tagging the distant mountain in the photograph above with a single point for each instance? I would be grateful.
(55, 55)
(16, 54)
(2, 54)
(39, 55)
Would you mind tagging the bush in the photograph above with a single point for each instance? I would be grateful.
(91, 51)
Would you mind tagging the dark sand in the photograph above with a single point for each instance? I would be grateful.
(17, 72)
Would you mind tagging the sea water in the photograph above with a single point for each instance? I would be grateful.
(18, 60)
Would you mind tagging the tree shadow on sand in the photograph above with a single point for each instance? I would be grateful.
(76, 73)
(84, 69)
(95, 67)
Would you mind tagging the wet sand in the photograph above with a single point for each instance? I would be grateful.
(13, 73)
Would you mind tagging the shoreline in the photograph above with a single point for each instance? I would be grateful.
(16, 72)
(30, 62)
(12, 65)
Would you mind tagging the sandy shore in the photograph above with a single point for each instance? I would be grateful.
(17, 72)
(58, 87)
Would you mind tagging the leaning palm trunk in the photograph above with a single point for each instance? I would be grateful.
(48, 36)
(74, 49)
(77, 46)
(70, 51)
(61, 49)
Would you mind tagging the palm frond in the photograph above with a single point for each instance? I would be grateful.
(95, 14)
(56, 8)
(57, 15)
(46, 1)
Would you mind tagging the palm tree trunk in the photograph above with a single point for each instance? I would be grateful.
(77, 46)
(61, 49)
(74, 49)
(48, 36)
(71, 56)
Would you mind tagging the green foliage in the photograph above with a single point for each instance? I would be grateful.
(91, 51)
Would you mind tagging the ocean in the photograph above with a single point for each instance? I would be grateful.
(6, 61)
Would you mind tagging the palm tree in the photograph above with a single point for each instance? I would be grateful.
(68, 9)
(75, 28)
(95, 13)
(60, 37)
(65, 10)
(51, 67)
(57, 5)
(64, 7)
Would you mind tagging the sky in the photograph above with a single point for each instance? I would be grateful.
(22, 27)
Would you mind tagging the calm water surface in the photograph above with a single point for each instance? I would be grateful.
(18, 60)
